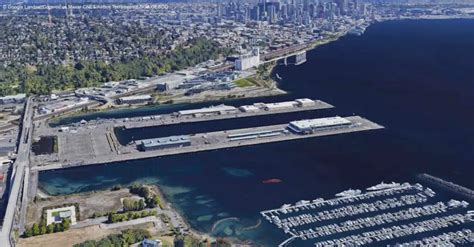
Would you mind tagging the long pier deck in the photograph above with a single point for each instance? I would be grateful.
(93, 151)
(175, 118)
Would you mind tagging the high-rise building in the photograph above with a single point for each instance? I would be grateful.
(341, 4)
(255, 13)
(272, 16)
(248, 61)
(305, 5)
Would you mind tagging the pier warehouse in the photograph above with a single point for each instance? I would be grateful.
(139, 99)
(213, 110)
(164, 142)
(311, 125)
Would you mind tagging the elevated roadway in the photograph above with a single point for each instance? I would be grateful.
(19, 167)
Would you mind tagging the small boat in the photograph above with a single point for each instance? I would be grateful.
(272, 181)
(278, 76)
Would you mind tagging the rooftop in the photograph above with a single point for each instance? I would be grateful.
(319, 122)
(211, 109)
(165, 141)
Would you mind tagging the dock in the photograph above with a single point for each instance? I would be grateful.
(218, 112)
(90, 146)
(384, 214)
(455, 188)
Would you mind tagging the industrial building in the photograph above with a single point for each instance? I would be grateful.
(138, 99)
(62, 105)
(305, 102)
(279, 106)
(164, 142)
(213, 110)
(249, 108)
(248, 61)
(310, 125)
(13, 99)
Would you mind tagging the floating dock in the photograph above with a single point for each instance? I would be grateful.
(382, 216)
(87, 148)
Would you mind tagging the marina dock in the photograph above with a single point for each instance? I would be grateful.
(89, 146)
(384, 213)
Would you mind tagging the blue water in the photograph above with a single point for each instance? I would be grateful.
(414, 77)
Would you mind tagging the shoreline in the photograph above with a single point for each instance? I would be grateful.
(183, 214)
(168, 205)
(166, 201)
(255, 92)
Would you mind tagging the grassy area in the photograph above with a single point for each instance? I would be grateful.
(166, 241)
(245, 82)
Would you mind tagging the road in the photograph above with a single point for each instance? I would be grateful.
(19, 167)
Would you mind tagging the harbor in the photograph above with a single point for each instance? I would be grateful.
(385, 212)
(320, 167)
(89, 146)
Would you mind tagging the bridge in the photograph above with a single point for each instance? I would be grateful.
(296, 51)
(17, 197)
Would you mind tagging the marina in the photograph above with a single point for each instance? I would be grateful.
(385, 212)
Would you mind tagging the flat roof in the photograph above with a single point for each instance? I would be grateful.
(281, 104)
(15, 96)
(319, 122)
(249, 108)
(304, 100)
(137, 97)
(162, 141)
(211, 109)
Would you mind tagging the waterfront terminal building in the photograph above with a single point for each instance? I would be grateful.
(164, 142)
(310, 125)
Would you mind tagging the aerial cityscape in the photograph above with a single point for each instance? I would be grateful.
(236, 123)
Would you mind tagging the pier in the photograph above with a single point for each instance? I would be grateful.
(89, 146)
(458, 189)
(219, 112)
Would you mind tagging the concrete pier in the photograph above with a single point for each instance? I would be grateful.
(95, 149)
(175, 118)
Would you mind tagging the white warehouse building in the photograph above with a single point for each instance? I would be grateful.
(248, 61)
(311, 125)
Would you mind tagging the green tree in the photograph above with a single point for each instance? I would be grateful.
(43, 229)
(35, 229)
(141, 204)
(28, 233)
(50, 228)
(66, 223)
(58, 228)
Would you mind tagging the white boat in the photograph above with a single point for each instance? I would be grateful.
(349, 192)
(383, 186)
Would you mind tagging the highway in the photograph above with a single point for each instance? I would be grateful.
(19, 167)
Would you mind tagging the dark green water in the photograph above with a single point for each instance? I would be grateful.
(414, 77)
